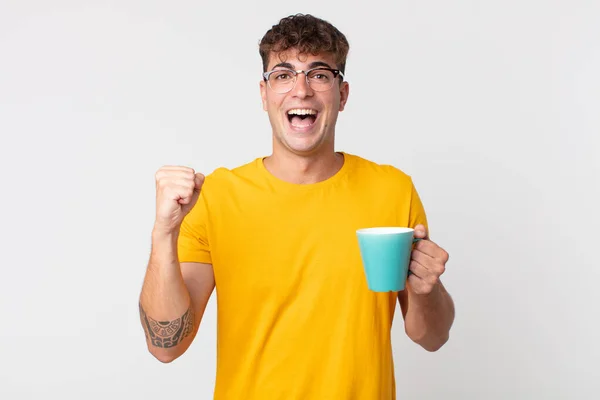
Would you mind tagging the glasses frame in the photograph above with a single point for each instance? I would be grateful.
(336, 73)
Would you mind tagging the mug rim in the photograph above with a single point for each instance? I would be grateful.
(384, 230)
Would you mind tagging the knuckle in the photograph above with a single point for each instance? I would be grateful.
(163, 182)
(441, 269)
(162, 174)
(187, 171)
(445, 256)
(163, 169)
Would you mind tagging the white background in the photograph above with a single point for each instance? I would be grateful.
(492, 106)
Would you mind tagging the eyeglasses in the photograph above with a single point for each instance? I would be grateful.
(319, 79)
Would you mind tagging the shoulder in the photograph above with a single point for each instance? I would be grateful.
(222, 179)
(372, 170)
(221, 174)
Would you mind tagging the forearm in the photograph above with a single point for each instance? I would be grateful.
(429, 317)
(166, 311)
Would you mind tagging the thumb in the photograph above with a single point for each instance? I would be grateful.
(421, 231)
(198, 181)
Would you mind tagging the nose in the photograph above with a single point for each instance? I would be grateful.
(301, 89)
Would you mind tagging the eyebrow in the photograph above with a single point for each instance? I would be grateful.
(313, 64)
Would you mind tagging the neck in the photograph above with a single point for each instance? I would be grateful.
(300, 169)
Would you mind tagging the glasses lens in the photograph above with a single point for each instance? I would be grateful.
(282, 81)
(321, 79)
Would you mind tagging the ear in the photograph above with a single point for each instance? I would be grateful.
(344, 93)
(263, 94)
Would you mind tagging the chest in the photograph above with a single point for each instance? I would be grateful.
(283, 243)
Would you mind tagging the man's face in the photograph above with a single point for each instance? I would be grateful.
(303, 120)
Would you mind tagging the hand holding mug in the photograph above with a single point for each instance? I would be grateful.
(427, 263)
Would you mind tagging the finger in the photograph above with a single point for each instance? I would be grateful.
(417, 270)
(434, 267)
(166, 179)
(426, 246)
(180, 193)
(421, 257)
(179, 185)
(420, 231)
(175, 168)
(432, 249)
(188, 199)
(424, 275)
(165, 175)
(198, 181)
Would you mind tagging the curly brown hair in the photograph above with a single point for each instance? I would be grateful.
(308, 34)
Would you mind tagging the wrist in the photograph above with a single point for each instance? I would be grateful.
(164, 246)
(163, 234)
(431, 297)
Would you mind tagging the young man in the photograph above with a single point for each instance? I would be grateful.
(277, 238)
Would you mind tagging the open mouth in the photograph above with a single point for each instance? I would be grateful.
(302, 118)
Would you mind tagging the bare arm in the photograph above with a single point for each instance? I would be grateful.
(427, 317)
(427, 307)
(173, 299)
(174, 295)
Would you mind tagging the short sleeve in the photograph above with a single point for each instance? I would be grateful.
(192, 245)
(417, 211)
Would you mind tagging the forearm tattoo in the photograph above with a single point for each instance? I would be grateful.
(167, 334)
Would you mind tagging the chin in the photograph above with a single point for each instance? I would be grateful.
(307, 144)
(301, 148)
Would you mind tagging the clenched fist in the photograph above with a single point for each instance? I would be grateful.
(428, 263)
(177, 190)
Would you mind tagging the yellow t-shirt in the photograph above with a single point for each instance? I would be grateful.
(295, 318)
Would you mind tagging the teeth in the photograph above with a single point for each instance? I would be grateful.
(302, 111)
